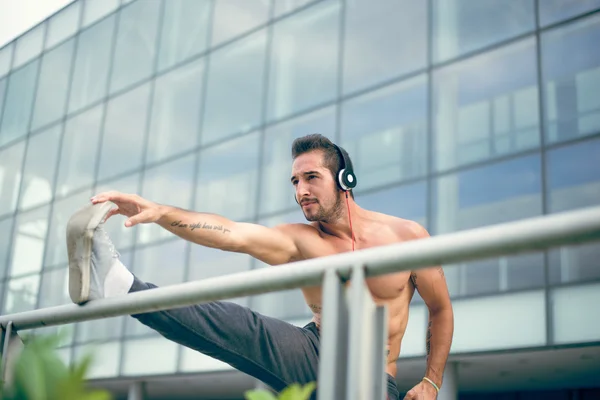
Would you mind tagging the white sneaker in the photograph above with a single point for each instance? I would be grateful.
(92, 256)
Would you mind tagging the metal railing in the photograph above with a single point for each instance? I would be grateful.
(353, 343)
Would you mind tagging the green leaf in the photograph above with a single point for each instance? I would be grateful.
(259, 395)
(307, 390)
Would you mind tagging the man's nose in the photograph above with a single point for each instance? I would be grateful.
(302, 190)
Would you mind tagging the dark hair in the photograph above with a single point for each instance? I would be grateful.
(331, 157)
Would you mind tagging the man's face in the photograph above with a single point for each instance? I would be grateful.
(316, 191)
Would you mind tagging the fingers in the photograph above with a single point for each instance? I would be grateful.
(112, 212)
(113, 196)
(143, 217)
(411, 395)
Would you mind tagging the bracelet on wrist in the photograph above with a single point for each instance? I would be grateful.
(437, 389)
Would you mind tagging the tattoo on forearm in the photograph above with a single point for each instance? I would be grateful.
(413, 278)
(199, 225)
(441, 271)
(428, 341)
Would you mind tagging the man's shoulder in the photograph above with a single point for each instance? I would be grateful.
(404, 228)
(298, 228)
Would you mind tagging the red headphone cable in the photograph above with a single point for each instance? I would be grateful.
(350, 219)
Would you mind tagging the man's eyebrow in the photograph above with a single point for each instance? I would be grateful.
(306, 173)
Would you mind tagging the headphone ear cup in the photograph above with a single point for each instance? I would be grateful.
(346, 180)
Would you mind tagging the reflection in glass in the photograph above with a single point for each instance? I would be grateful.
(121, 236)
(486, 106)
(63, 209)
(29, 241)
(385, 132)
(234, 17)
(3, 83)
(54, 288)
(6, 54)
(136, 44)
(304, 60)
(124, 135)
(96, 9)
(137, 360)
(18, 102)
(552, 11)
(170, 184)
(174, 127)
(6, 226)
(574, 182)
(91, 64)
(184, 31)
(11, 159)
(492, 194)
(29, 45)
(64, 24)
(79, 151)
(21, 294)
(277, 193)
(372, 51)
(288, 304)
(571, 75)
(51, 97)
(234, 100)
(107, 359)
(229, 188)
(161, 265)
(40, 166)
(462, 26)
(406, 201)
(286, 6)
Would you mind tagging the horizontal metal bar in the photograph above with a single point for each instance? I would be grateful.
(531, 234)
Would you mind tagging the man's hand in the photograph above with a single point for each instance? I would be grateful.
(422, 391)
(136, 209)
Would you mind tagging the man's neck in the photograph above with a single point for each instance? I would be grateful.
(341, 226)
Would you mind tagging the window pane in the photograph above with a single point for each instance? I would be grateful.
(492, 194)
(556, 10)
(286, 6)
(136, 44)
(91, 64)
(40, 167)
(96, 9)
(234, 17)
(11, 160)
(385, 133)
(304, 60)
(234, 100)
(138, 361)
(79, 151)
(277, 193)
(287, 304)
(175, 112)
(51, 96)
(107, 359)
(124, 133)
(406, 201)
(162, 265)
(218, 178)
(574, 182)
(29, 45)
(486, 106)
(115, 226)
(372, 51)
(184, 31)
(63, 25)
(171, 184)
(6, 54)
(21, 294)
(571, 74)
(62, 211)
(29, 241)
(2, 92)
(462, 26)
(6, 226)
(18, 102)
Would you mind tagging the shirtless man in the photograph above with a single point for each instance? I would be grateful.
(271, 350)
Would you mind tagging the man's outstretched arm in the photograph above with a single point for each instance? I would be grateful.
(270, 245)
(431, 284)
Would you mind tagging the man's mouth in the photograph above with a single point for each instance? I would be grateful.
(307, 202)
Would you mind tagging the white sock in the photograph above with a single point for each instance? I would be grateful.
(118, 281)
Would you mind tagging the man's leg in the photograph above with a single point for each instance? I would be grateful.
(273, 351)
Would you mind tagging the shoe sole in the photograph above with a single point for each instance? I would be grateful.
(80, 232)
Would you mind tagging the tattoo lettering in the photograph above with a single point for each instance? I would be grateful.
(413, 278)
(199, 225)
(441, 271)
(428, 342)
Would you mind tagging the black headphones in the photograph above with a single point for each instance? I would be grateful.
(346, 179)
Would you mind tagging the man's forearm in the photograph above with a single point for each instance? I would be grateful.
(439, 339)
(205, 229)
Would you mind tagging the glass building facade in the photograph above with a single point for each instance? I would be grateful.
(457, 114)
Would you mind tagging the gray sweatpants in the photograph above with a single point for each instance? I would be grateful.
(273, 351)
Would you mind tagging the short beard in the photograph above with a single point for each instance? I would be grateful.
(328, 216)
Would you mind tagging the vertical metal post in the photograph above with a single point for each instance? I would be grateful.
(334, 340)
(136, 391)
(11, 346)
(6, 334)
(367, 344)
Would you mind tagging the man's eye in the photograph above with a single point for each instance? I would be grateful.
(311, 176)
